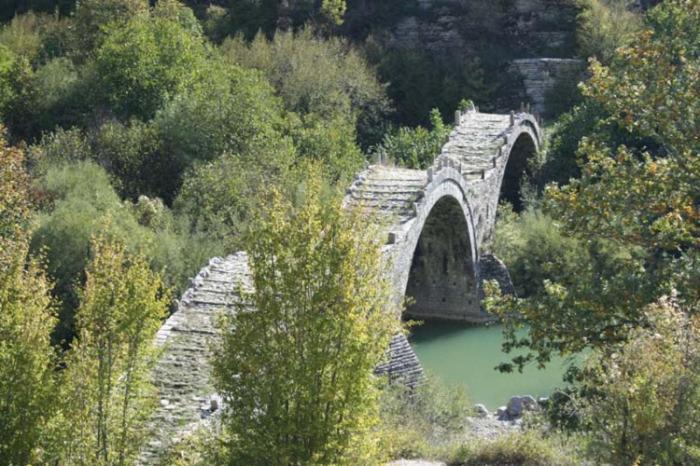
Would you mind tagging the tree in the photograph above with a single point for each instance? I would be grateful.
(324, 77)
(27, 318)
(297, 371)
(106, 386)
(415, 147)
(143, 62)
(635, 208)
(644, 405)
(605, 25)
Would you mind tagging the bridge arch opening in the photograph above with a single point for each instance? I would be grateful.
(441, 282)
(516, 168)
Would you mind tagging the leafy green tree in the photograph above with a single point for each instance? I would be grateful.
(415, 147)
(323, 310)
(28, 359)
(106, 389)
(231, 110)
(94, 17)
(219, 197)
(78, 198)
(635, 210)
(643, 405)
(26, 321)
(604, 26)
(144, 62)
(325, 77)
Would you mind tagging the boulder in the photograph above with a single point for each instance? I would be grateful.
(481, 411)
(515, 407)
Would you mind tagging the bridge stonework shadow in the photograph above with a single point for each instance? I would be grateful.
(438, 224)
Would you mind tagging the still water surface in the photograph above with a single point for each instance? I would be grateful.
(466, 355)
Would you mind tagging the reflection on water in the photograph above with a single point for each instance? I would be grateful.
(467, 355)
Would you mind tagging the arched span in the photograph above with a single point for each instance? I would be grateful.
(435, 264)
(441, 281)
(521, 152)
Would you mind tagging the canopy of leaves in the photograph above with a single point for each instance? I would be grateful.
(326, 77)
(635, 209)
(323, 308)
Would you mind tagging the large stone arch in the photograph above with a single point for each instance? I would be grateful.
(524, 146)
(454, 202)
(436, 263)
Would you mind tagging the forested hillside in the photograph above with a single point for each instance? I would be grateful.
(140, 139)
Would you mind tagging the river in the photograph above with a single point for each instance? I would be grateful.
(461, 355)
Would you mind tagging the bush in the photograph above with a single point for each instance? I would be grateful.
(605, 25)
(144, 62)
(414, 147)
(308, 395)
(79, 199)
(325, 77)
(423, 423)
(220, 196)
(232, 110)
(644, 394)
(534, 249)
(420, 80)
(522, 449)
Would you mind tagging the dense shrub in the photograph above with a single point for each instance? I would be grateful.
(423, 423)
(519, 449)
(219, 196)
(414, 147)
(644, 395)
(80, 202)
(420, 80)
(534, 248)
(605, 25)
(309, 395)
(326, 77)
(144, 62)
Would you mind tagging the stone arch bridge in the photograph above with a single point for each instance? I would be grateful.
(438, 221)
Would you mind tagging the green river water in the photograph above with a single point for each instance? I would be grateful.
(466, 355)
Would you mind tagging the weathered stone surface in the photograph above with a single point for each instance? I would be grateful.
(436, 224)
(541, 75)
(492, 268)
(480, 410)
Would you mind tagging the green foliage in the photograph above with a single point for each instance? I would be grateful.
(645, 394)
(144, 62)
(324, 77)
(232, 110)
(93, 19)
(415, 147)
(604, 26)
(78, 199)
(331, 142)
(420, 80)
(522, 449)
(323, 308)
(651, 88)
(14, 192)
(422, 422)
(534, 248)
(26, 321)
(27, 357)
(105, 387)
(219, 197)
(635, 210)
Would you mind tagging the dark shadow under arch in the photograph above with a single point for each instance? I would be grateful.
(441, 283)
(523, 150)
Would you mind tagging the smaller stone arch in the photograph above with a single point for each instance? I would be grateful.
(436, 264)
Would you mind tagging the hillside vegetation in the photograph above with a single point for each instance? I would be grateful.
(140, 139)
